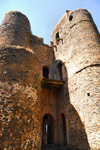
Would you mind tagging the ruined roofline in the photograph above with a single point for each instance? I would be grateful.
(14, 18)
(19, 22)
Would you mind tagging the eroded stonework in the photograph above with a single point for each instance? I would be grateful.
(50, 94)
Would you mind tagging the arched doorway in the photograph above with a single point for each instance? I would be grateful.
(63, 136)
(47, 129)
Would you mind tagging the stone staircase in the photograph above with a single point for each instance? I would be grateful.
(54, 147)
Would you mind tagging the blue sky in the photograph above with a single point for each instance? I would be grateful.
(44, 14)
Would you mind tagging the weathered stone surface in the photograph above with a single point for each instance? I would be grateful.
(65, 112)
(80, 53)
(19, 98)
(15, 29)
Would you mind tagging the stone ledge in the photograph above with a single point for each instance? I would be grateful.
(52, 83)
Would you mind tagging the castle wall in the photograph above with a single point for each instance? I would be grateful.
(20, 99)
(45, 56)
(73, 57)
(22, 75)
(78, 47)
(48, 97)
(49, 106)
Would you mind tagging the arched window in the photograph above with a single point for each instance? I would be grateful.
(45, 72)
(59, 71)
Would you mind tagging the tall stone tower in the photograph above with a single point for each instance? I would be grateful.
(19, 85)
(76, 43)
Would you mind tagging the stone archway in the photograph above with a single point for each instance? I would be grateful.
(47, 129)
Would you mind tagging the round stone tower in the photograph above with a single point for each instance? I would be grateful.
(77, 43)
(15, 29)
(19, 86)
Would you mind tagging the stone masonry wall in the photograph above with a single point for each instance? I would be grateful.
(79, 98)
(45, 56)
(49, 106)
(24, 85)
(23, 102)
(15, 29)
(19, 99)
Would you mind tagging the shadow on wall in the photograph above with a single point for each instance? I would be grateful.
(75, 129)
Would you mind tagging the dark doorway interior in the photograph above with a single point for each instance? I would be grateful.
(64, 128)
(47, 129)
(57, 37)
(60, 71)
(45, 72)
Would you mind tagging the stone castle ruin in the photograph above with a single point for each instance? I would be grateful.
(50, 94)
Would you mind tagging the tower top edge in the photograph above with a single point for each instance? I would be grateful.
(67, 13)
(15, 12)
